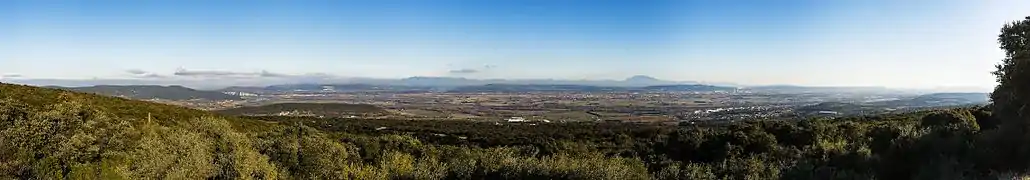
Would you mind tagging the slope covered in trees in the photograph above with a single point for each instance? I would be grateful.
(37, 99)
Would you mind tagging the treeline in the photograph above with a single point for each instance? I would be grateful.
(491, 134)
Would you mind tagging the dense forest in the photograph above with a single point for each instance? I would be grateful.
(58, 134)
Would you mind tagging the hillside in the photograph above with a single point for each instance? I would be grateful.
(306, 109)
(40, 98)
(153, 92)
(56, 134)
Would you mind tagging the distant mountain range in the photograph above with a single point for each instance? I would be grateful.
(635, 81)
(152, 92)
(451, 84)
(422, 83)
(967, 97)
(491, 88)
(815, 89)
(917, 102)
(496, 88)
(418, 81)
(941, 99)
(344, 87)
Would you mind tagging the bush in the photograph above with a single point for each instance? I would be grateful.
(951, 120)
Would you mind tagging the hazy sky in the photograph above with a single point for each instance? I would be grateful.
(894, 43)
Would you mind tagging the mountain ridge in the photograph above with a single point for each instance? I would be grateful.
(173, 92)
(432, 81)
(442, 82)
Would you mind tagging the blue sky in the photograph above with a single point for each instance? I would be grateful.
(905, 44)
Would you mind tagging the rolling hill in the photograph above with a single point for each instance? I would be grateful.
(60, 134)
(153, 92)
(37, 98)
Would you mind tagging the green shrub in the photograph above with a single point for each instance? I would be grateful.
(951, 120)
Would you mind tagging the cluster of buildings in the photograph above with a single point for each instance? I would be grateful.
(241, 94)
